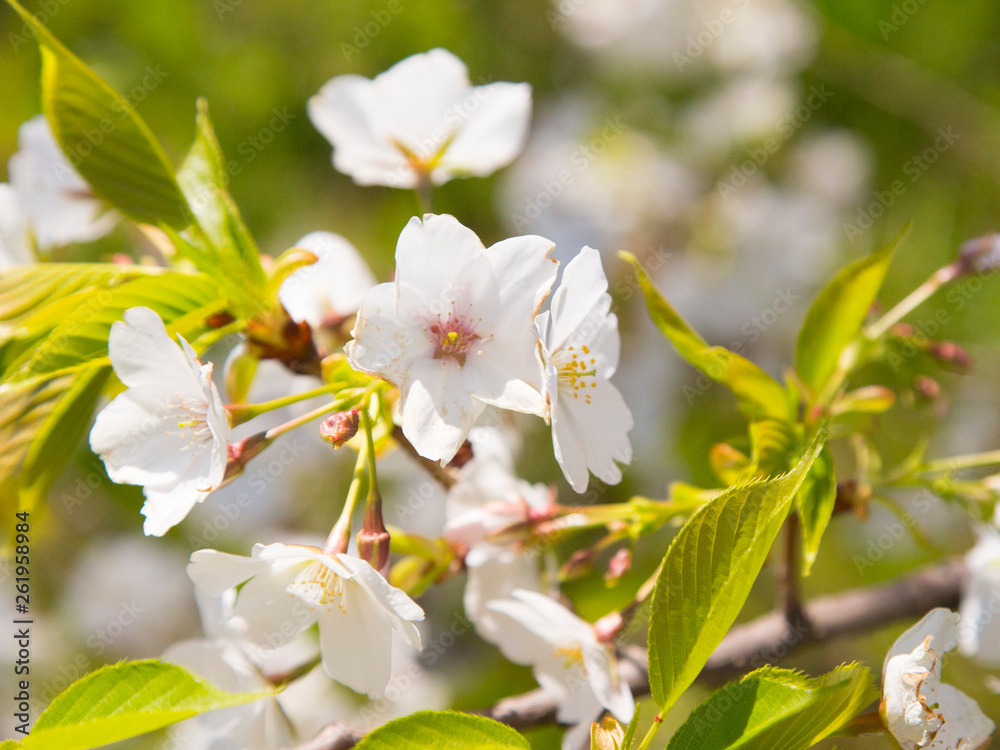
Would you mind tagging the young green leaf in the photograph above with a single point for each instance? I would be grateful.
(777, 709)
(443, 729)
(816, 499)
(835, 318)
(232, 255)
(182, 300)
(65, 426)
(708, 572)
(125, 700)
(772, 441)
(104, 137)
(760, 396)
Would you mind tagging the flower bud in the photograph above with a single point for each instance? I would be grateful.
(979, 255)
(951, 354)
(619, 565)
(373, 539)
(240, 454)
(925, 388)
(606, 734)
(338, 428)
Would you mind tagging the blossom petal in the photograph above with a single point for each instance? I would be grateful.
(215, 572)
(582, 288)
(429, 254)
(355, 640)
(14, 246)
(496, 376)
(400, 609)
(143, 354)
(437, 411)
(526, 272)
(494, 129)
(167, 507)
(336, 283)
(599, 428)
(273, 616)
(346, 113)
(384, 345)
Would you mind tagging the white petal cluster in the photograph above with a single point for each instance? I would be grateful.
(979, 634)
(169, 430)
(920, 711)
(15, 247)
(288, 588)
(579, 345)
(330, 289)
(566, 658)
(453, 331)
(57, 204)
(459, 329)
(421, 120)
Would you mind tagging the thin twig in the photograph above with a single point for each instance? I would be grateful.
(754, 644)
(438, 472)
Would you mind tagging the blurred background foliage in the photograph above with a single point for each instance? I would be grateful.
(741, 264)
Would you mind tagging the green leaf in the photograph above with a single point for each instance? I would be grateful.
(835, 318)
(126, 700)
(708, 572)
(760, 396)
(443, 730)
(776, 709)
(183, 301)
(64, 427)
(104, 137)
(816, 499)
(27, 290)
(232, 256)
(772, 441)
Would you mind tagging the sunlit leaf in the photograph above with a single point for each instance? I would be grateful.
(448, 730)
(103, 136)
(125, 700)
(835, 318)
(760, 396)
(817, 497)
(777, 709)
(708, 572)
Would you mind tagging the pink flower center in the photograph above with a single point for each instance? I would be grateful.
(453, 338)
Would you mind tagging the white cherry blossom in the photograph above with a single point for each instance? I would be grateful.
(920, 711)
(579, 348)
(566, 659)
(15, 248)
(59, 204)
(330, 289)
(453, 331)
(421, 120)
(234, 665)
(288, 588)
(169, 430)
(979, 634)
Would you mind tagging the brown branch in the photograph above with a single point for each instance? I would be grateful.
(747, 646)
(438, 472)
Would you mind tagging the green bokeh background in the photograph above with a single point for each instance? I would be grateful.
(940, 68)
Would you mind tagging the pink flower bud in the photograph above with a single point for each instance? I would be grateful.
(338, 428)
(373, 539)
(619, 564)
(980, 255)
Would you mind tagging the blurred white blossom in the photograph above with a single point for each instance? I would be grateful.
(421, 120)
(920, 711)
(566, 659)
(59, 204)
(169, 430)
(979, 634)
(15, 247)
(330, 289)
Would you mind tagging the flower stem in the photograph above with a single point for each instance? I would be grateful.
(915, 298)
(957, 463)
(336, 405)
(240, 413)
(341, 533)
(425, 192)
(653, 729)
